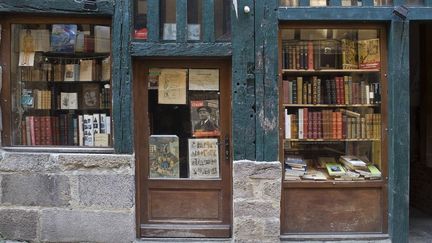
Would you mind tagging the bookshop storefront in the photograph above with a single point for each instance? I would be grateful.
(242, 120)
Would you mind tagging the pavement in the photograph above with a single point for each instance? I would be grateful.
(420, 227)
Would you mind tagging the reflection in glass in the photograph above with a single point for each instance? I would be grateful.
(222, 20)
(194, 19)
(168, 19)
(140, 21)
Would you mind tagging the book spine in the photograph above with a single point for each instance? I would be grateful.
(299, 90)
(310, 55)
(300, 124)
(285, 87)
(287, 125)
(333, 91)
(80, 131)
(339, 125)
(319, 91)
(294, 92)
(305, 123)
(37, 131)
(328, 91)
(305, 93)
(334, 125)
(314, 90)
(309, 93)
(344, 127)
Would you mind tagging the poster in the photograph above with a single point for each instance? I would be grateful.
(203, 158)
(164, 156)
(204, 79)
(172, 86)
(205, 118)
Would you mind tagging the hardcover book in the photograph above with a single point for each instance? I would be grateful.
(102, 42)
(63, 37)
(68, 101)
(164, 156)
(335, 169)
(369, 54)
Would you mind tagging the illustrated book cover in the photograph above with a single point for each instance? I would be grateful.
(68, 101)
(203, 158)
(63, 37)
(204, 118)
(164, 156)
(90, 96)
(369, 54)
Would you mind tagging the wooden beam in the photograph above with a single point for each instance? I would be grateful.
(417, 13)
(428, 3)
(336, 13)
(181, 19)
(335, 3)
(208, 21)
(368, 3)
(266, 80)
(398, 129)
(218, 49)
(243, 82)
(104, 8)
(121, 78)
(153, 18)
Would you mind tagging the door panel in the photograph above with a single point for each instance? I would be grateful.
(183, 163)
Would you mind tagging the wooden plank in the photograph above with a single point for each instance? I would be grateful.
(181, 19)
(266, 80)
(153, 18)
(368, 3)
(181, 49)
(243, 97)
(335, 13)
(399, 127)
(122, 88)
(421, 13)
(208, 21)
(335, 3)
(55, 6)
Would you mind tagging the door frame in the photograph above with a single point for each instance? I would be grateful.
(222, 187)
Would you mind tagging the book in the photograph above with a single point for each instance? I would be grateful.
(102, 41)
(86, 70)
(204, 118)
(369, 54)
(27, 98)
(101, 140)
(164, 156)
(90, 96)
(88, 130)
(68, 101)
(71, 72)
(349, 54)
(63, 37)
(106, 69)
(335, 169)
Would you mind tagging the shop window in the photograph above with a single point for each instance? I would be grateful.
(184, 123)
(194, 19)
(140, 23)
(343, 3)
(333, 96)
(60, 85)
(168, 20)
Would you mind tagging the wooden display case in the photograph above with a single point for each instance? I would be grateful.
(333, 110)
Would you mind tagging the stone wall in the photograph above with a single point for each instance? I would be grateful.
(67, 197)
(256, 201)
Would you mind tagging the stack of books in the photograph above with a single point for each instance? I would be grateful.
(295, 167)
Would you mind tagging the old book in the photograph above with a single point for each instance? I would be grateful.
(164, 156)
(70, 72)
(205, 118)
(335, 169)
(96, 123)
(106, 69)
(349, 54)
(27, 98)
(299, 90)
(285, 88)
(63, 37)
(102, 39)
(369, 54)
(90, 96)
(80, 130)
(287, 125)
(69, 101)
(101, 140)
(88, 130)
(86, 70)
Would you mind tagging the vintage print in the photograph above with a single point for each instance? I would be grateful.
(203, 158)
(164, 156)
(172, 86)
(205, 118)
(204, 79)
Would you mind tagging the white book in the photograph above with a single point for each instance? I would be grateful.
(300, 123)
(80, 131)
(86, 70)
(108, 124)
(367, 91)
(287, 125)
(102, 38)
(103, 123)
(88, 130)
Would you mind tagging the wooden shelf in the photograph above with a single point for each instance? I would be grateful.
(332, 140)
(331, 71)
(332, 183)
(66, 82)
(331, 105)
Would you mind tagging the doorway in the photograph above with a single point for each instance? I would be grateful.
(182, 143)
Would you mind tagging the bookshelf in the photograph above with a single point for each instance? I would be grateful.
(61, 84)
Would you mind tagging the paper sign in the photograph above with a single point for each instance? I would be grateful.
(204, 79)
(172, 86)
(203, 158)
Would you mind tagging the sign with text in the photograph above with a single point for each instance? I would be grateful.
(203, 158)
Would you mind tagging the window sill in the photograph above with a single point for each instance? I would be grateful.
(60, 150)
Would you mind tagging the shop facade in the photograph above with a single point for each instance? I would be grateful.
(181, 119)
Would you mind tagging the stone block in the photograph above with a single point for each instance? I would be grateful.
(26, 162)
(242, 189)
(272, 227)
(35, 190)
(58, 225)
(272, 190)
(244, 170)
(113, 191)
(256, 208)
(247, 226)
(72, 162)
(18, 224)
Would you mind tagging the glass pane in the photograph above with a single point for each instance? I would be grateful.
(332, 104)
(140, 23)
(60, 85)
(415, 2)
(194, 19)
(222, 20)
(383, 2)
(289, 3)
(168, 19)
(184, 123)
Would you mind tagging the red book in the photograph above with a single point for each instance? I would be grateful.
(48, 131)
(310, 55)
(37, 130)
(310, 125)
(339, 125)
(32, 131)
(23, 133)
(320, 125)
(315, 124)
(334, 125)
(342, 90)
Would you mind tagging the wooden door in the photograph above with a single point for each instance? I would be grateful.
(191, 198)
